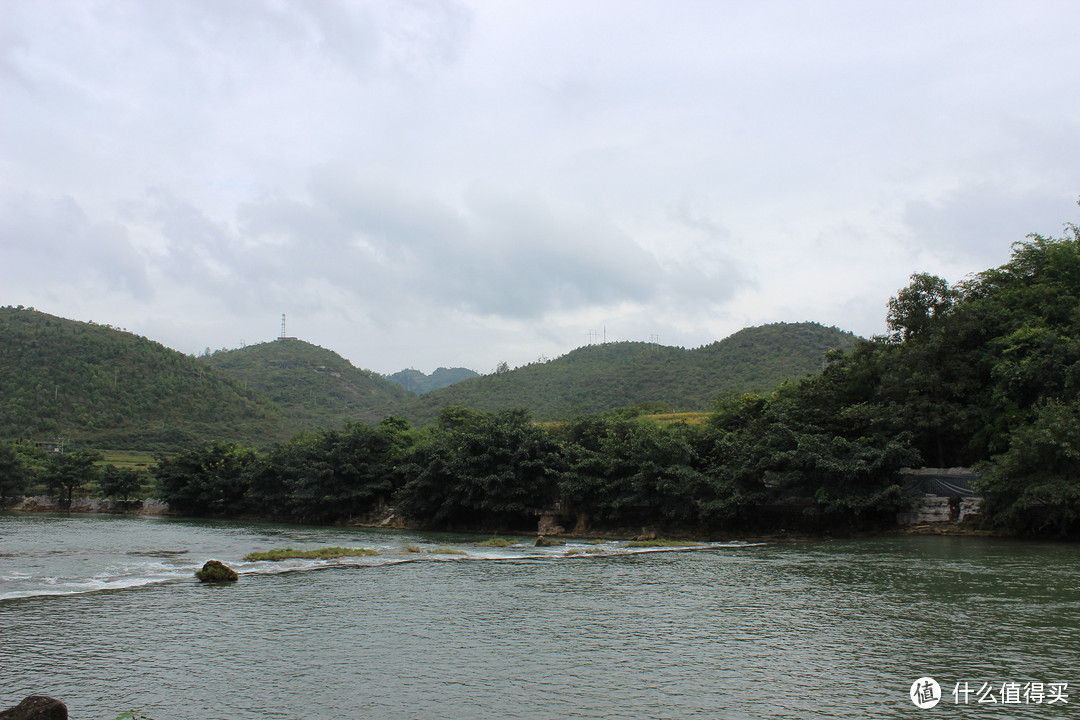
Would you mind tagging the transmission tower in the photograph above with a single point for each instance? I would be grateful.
(282, 336)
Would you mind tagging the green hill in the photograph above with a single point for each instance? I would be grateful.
(99, 386)
(595, 378)
(419, 383)
(314, 386)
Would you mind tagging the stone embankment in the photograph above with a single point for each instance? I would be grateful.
(943, 498)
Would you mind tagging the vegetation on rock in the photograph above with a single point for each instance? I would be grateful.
(326, 553)
(214, 571)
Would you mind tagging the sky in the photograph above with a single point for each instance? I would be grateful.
(420, 183)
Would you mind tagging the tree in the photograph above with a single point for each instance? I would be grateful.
(494, 471)
(14, 474)
(67, 472)
(120, 482)
(212, 480)
(1034, 487)
(915, 308)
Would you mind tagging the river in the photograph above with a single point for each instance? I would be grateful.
(104, 613)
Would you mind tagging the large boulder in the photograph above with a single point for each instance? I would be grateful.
(36, 707)
(544, 541)
(216, 571)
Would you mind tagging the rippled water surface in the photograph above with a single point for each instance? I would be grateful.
(104, 614)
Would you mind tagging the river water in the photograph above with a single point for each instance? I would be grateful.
(104, 613)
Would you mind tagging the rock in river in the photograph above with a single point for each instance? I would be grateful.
(216, 571)
(36, 707)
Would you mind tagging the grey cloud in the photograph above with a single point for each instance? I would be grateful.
(55, 237)
(978, 222)
(496, 255)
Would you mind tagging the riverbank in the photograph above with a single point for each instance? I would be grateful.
(932, 524)
(89, 505)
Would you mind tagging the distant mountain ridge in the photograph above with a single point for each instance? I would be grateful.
(595, 378)
(415, 381)
(98, 385)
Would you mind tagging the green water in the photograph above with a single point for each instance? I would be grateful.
(103, 614)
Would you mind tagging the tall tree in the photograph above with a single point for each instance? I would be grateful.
(67, 472)
(14, 474)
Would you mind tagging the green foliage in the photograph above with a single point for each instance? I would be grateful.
(1034, 487)
(120, 482)
(314, 386)
(492, 471)
(103, 387)
(985, 371)
(66, 473)
(989, 369)
(15, 474)
(628, 472)
(323, 476)
(419, 383)
(654, 378)
(915, 308)
(659, 542)
(332, 475)
(212, 480)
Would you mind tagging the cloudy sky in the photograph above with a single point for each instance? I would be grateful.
(420, 183)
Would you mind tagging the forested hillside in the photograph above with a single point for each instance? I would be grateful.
(315, 387)
(983, 372)
(100, 386)
(419, 383)
(986, 372)
(602, 377)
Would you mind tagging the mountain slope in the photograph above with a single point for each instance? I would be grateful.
(595, 378)
(419, 383)
(314, 386)
(97, 385)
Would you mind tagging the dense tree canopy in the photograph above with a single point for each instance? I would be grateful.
(987, 371)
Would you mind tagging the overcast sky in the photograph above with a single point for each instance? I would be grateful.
(420, 183)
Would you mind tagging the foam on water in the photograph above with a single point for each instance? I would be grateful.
(835, 629)
(103, 564)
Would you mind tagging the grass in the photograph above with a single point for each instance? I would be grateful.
(586, 551)
(660, 543)
(129, 459)
(496, 542)
(690, 418)
(327, 553)
(434, 551)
